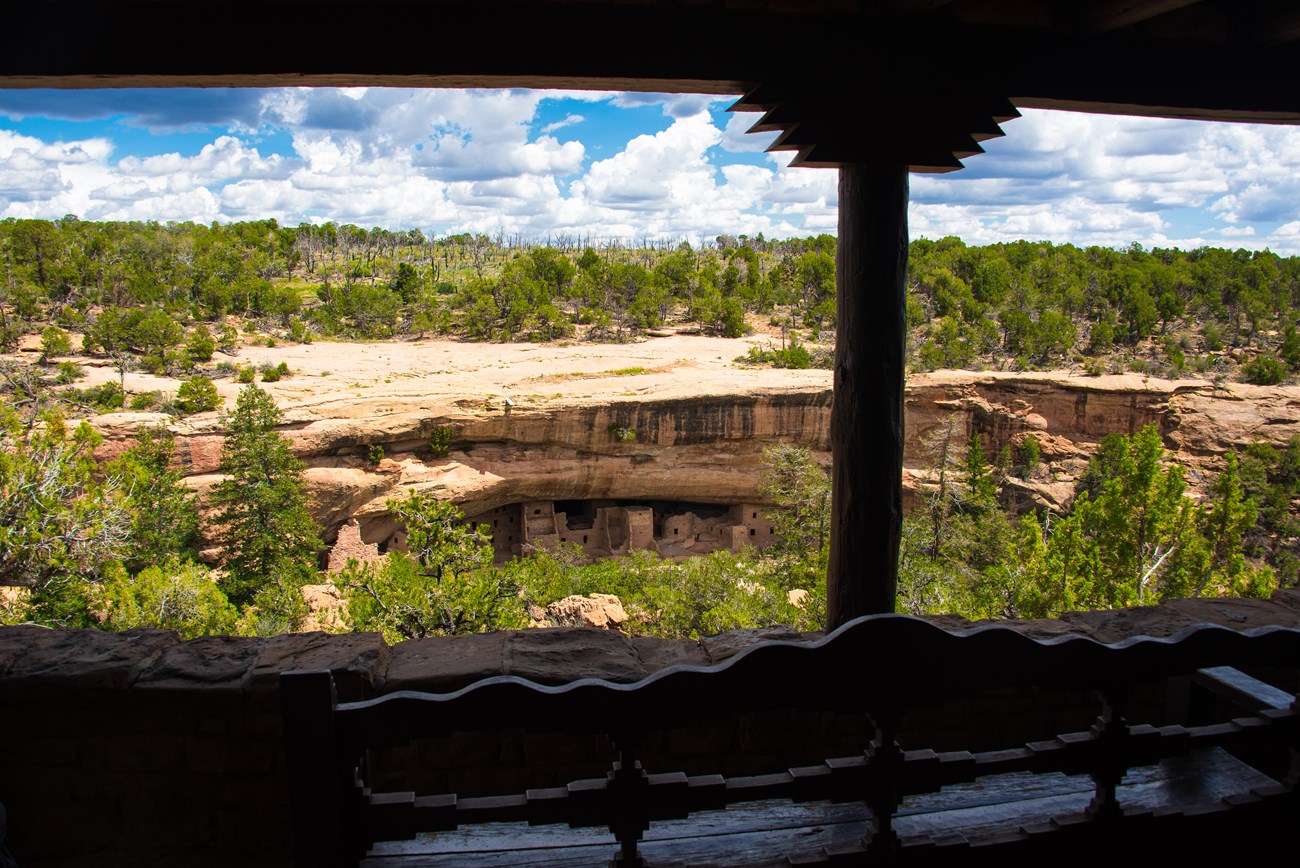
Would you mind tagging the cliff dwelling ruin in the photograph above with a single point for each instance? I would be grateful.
(600, 528)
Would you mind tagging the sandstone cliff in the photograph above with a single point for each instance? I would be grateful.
(690, 425)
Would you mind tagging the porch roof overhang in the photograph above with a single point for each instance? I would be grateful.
(925, 80)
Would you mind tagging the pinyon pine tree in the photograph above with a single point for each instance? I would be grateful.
(261, 505)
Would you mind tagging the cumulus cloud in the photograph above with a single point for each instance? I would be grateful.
(476, 160)
(736, 138)
(154, 109)
(1093, 179)
(567, 121)
(675, 105)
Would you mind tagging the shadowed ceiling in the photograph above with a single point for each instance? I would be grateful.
(922, 81)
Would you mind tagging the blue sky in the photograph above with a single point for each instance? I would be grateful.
(613, 166)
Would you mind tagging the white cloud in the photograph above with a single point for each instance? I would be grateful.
(736, 138)
(567, 121)
(675, 105)
(1094, 179)
(475, 160)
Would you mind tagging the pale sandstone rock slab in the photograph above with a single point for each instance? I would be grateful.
(203, 452)
(325, 609)
(336, 491)
(561, 656)
(444, 663)
(604, 611)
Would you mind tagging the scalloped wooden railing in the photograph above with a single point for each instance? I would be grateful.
(882, 665)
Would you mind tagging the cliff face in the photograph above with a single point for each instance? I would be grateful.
(708, 448)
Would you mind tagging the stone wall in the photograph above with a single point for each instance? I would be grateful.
(350, 547)
(141, 749)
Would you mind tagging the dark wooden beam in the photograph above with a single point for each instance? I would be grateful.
(867, 413)
(1280, 30)
(1112, 15)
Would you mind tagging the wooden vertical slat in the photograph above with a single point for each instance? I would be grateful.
(629, 789)
(1110, 762)
(884, 783)
(867, 414)
(315, 797)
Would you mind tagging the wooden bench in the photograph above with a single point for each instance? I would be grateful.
(1161, 789)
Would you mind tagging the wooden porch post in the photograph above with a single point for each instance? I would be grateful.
(867, 413)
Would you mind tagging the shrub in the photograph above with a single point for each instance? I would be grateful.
(275, 373)
(1212, 335)
(1030, 454)
(246, 375)
(145, 400)
(200, 344)
(1176, 357)
(54, 342)
(621, 434)
(104, 397)
(375, 453)
(197, 395)
(1290, 348)
(298, 331)
(1263, 370)
(69, 372)
(178, 595)
(795, 356)
(228, 341)
(440, 442)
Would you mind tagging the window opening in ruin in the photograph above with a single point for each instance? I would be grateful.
(580, 514)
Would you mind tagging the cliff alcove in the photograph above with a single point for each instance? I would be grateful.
(694, 423)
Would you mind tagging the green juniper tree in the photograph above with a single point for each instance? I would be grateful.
(800, 492)
(164, 516)
(445, 584)
(175, 594)
(261, 506)
(62, 527)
